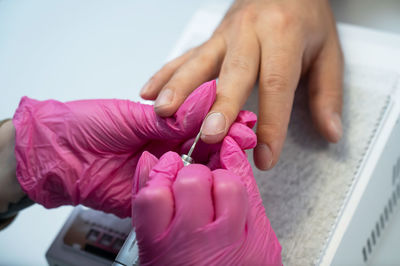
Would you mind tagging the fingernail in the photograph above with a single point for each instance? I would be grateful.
(164, 98)
(263, 156)
(336, 127)
(145, 88)
(213, 125)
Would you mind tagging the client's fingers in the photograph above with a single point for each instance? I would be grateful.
(151, 89)
(203, 65)
(236, 80)
(326, 91)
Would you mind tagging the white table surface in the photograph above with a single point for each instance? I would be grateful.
(106, 49)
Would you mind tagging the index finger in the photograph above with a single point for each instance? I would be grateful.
(236, 80)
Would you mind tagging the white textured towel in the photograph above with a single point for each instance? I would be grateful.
(304, 192)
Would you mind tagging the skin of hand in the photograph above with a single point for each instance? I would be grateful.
(275, 42)
(194, 216)
(10, 190)
(85, 152)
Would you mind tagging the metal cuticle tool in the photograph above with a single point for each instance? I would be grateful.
(186, 158)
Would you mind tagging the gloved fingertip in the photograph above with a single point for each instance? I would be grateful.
(168, 166)
(207, 91)
(152, 211)
(231, 203)
(243, 135)
(170, 157)
(148, 158)
(204, 96)
(146, 162)
(156, 191)
(233, 158)
(247, 118)
(192, 191)
(196, 106)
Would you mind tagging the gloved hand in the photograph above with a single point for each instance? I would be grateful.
(85, 152)
(194, 216)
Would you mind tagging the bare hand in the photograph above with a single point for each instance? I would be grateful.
(275, 41)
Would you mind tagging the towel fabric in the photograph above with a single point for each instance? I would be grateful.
(303, 194)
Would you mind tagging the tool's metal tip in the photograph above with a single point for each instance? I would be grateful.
(187, 159)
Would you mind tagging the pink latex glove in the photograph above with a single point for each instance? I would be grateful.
(85, 152)
(194, 216)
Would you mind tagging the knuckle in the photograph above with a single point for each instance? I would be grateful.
(168, 67)
(274, 83)
(223, 99)
(238, 62)
(227, 105)
(280, 17)
(205, 59)
(246, 14)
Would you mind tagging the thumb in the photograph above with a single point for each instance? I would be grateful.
(241, 131)
(234, 159)
(241, 136)
(246, 118)
(145, 164)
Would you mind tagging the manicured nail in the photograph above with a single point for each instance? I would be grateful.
(335, 127)
(213, 126)
(145, 88)
(263, 156)
(164, 98)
